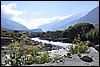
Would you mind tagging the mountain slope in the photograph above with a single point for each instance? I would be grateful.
(92, 17)
(7, 24)
(54, 25)
(35, 30)
(11, 25)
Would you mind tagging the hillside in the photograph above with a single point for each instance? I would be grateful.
(56, 24)
(11, 25)
(91, 17)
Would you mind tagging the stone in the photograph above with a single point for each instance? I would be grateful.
(61, 60)
(68, 54)
(97, 47)
(86, 59)
(88, 43)
(69, 57)
(79, 55)
(57, 61)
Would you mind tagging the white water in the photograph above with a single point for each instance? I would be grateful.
(51, 42)
(55, 52)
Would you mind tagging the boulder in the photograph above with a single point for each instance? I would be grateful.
(97, 47)
(86, 59)
(88, 43)
(36, 43)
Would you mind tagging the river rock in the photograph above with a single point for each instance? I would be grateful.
(36, 43)
(86, 59)
(97, 47)
(88, 43)
(61, 60)
(68, 54)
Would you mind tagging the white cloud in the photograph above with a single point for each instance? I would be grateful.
(35, 22)
(8, 12)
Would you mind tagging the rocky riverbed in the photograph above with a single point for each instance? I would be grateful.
(76, 60)
(90, 59)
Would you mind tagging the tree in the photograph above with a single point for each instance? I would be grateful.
(79, 28)
(93, 36)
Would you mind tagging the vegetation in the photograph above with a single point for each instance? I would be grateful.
(86, 31)
(93, 36)
(21, 51)
(11, 33)
(78, 46)
(80, 28)
(21, 54)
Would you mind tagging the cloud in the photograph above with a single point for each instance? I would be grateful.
(8, 11)
(35, 22)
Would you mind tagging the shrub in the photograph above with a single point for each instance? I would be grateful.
(78, 47)
(21, 54)
(43, 58)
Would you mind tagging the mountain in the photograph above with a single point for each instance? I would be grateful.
(35, 30)
(56, 24)
(92, 17)
(11, 25)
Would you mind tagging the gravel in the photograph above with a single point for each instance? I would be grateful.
(75, 60)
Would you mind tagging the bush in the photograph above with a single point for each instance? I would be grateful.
(43, 58)
(78, 47)
(21, 54)
(93, 36)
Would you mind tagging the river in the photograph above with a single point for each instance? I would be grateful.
(51, 42)
(53, 52)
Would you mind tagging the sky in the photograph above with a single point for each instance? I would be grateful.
(35, 13)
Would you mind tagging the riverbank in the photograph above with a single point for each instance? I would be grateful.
(75, 60)
(58, 43)
(63, 40)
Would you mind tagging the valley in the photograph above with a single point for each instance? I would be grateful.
(49, 33)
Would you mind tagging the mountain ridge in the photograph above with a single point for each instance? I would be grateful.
(7, 24)
(91, 17)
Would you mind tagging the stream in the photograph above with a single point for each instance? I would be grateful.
(53, 52)
(51, 42)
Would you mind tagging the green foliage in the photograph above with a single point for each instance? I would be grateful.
(78, 47)
(43, 58)
(17, 51)
(79, 28)
(93, 35)
(22, 54)
(33, 50)
(11, 33)
(52, 34)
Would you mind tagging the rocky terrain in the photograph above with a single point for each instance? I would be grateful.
(91, 59)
